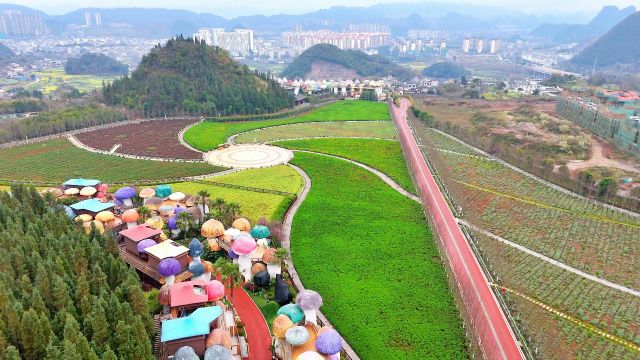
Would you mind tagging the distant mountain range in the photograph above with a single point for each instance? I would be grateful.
(608, 17)
(618, 46)
(400, 17)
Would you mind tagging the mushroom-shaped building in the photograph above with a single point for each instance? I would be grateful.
(243, 246)
(105, 216)
(293, 311)
(88, 191)
(273, 265)
(217, 352)
(142, 245)
(212, 229)
(177, 196)
(163, 191)
(186, 353)
(282, 292)
(147, 193)
(164, 297)
(215, 290)
(169, 268)
(281, 324)
(166, 210)
(172, 224)
(241, 224)
(218, 337)
(196, 269)
(125, 194)
(153, 203)
(72, 191)
(262, 279)
(310, 355)
(95, 223)
(69, 212)
(82, 218)
(297, 335)
(309, 301)
(329, 342)
(260, 232)
(155, 222)
(130, 217)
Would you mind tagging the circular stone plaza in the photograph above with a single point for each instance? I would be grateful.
(249, 156)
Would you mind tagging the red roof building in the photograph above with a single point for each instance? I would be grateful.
(188, 295)
(136, 234)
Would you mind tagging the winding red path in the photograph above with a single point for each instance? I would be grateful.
(495, 337)
(254, 324)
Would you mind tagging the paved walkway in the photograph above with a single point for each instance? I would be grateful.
(286, 243)
(181, 137)
(551, 261)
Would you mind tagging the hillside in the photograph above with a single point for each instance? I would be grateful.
(606, 19)
(183, 77)
(618, 46)
(95, 64)
(362, 64)
(444, 70)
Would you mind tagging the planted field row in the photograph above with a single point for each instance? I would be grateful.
(388, 299)
(385, 156)
(59, 160)
(610, 310)
(364, 129)
(208, 135)
(443, 142)
(158, 138)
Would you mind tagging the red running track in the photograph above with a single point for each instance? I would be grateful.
(495, 337)
(254, 324)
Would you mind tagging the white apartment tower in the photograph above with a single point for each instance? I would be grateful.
(87, 18)
(98, 19)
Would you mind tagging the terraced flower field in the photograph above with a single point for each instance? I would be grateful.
(368, 251)
(158, 138)
(581, 234)
(383, 155)
(361, 129)
(58, 160)
(208, 135)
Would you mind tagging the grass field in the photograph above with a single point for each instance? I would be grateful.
(383, 155)
(350, 242)
(50, 80)
(253, 205)
(208, 135)
(363, 129)
(59, 160)
(597, 240)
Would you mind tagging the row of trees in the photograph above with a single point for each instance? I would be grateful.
(187, 77)
(58, 121)
(63, 294)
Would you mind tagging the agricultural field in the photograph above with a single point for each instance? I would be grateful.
(383, 155)
(586, 236)
(208, 135)
(51, 80)
(58, 160)
(402, 292)
(280, 178)
(158, 138)
(362, 129)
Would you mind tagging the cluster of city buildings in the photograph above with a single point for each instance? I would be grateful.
(20, 23)
(238, 42)
(480, 46)
(360, 40)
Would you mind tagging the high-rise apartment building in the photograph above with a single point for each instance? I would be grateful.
(342, 40)
(467, 44)
(238, 42)
(14, 22)
(495, 46)
(427, 34)
(87, 19)
(98, 19)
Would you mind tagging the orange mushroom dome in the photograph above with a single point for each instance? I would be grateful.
(241, 224)
(130, 216)
(164, 295)
(212, 228)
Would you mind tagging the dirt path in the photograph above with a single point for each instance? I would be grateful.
(598, 158)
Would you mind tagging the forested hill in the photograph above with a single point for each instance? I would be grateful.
(186, 77)
(364, 65)
(619, 46)
(65, 295)
(95, 64)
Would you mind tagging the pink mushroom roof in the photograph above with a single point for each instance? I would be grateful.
(244, 245)
(215, 290)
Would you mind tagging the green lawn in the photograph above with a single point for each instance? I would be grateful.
(268, 309)
(350, 243)
(59, 160)
(208, 135)
(281, 178)
(343, 129)
(253, 205)
(383, 155)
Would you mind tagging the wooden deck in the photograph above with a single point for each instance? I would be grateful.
(142, 266)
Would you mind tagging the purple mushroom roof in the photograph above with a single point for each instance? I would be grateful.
(125, 193)
(329, 342)
(233, 255)
(169, 267)
(309, 300)
(172, 223)
(142, 245)
(179, 210)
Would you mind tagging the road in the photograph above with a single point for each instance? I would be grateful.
(495, 336)
(254, 324)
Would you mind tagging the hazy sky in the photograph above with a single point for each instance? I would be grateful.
(249, 7)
